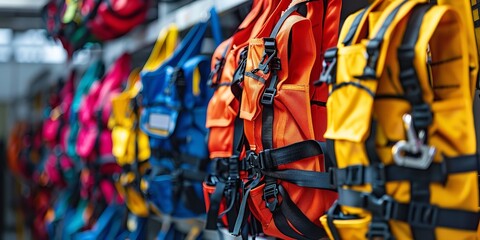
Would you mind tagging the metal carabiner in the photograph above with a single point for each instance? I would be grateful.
(420, 155)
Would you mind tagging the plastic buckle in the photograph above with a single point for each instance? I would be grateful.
(379, 229)
(332, 177)
(405, 54)
(270, 191)
(268, 96)
(372, 58)
(265, 160)
(422, 115)
(354, 175)
(329, 64)
(383, 207)
(250, 159)
(270, 45)
(422, 154)
(422, 215)
(264, 65)
(216, 70)
(269, 53)
(327, 73)
(380, 176)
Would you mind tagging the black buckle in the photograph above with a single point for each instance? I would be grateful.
(370, 72)
(265, 160)
(379, 176)
(422, 115)
(354, 175)
(379, 229)
(216, 70)
(382, 207)
(422, 215)
(269, 59)
(268, 96)
(270, 191)
(329, 66)
(250, 160)
(405, 54)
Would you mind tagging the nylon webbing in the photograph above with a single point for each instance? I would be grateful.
(298, 219)
(302, 178)
(353, 28)
(437, 172)
(423, 215)
(419, 189)
(373, 46)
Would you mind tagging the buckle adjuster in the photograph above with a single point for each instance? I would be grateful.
(270, 193)
(422, 215)
(383, 207)
(354, 175)
(268, 96)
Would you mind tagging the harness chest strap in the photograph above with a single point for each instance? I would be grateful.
(416, 214)
(437, 172)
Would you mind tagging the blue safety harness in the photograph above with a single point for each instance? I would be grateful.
(175, 99)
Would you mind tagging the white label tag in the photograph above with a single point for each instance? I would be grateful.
(159, 121)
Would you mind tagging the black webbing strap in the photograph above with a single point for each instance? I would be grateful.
(282, 224)
(417, 214)
(270, 62)
(218, 70)
(227, 188)
(302, 178)
(237, 135)
(329, 67)
(231, 198)
(284, 17)
(437, 172)
(379, 226)
(270, 159)
(421, 113)
(306, 228)
(373, 46)
(232, 190)
(243, 209)
(353, 28)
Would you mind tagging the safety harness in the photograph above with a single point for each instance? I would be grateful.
(399, 106)
(175, 98)
(284, 161)
(222, 187)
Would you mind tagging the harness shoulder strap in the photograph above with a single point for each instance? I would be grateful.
(164, 47)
